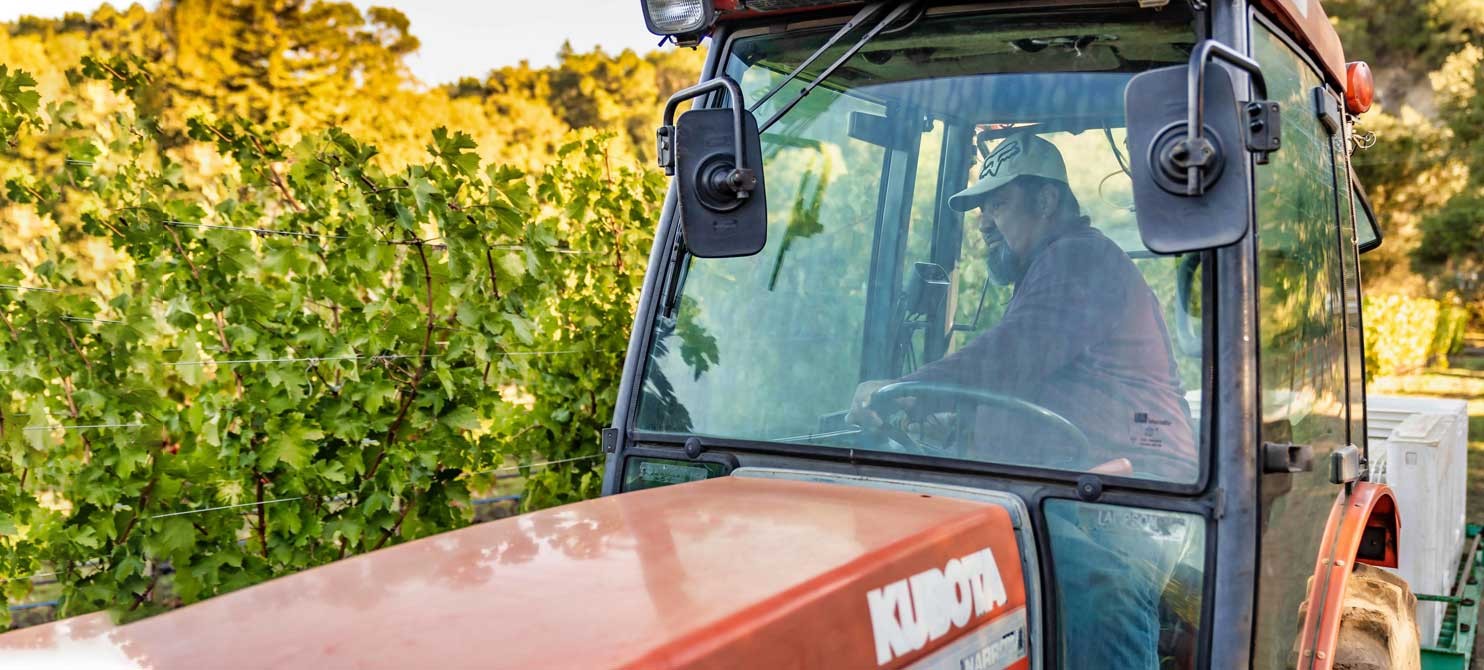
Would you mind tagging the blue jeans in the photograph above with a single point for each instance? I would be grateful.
(1111, 565)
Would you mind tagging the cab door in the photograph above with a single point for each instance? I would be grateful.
(1305, 384)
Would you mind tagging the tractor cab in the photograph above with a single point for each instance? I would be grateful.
(986, 336)
(875, 268)
(1100, 258)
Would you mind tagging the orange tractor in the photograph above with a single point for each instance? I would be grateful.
(974, 335)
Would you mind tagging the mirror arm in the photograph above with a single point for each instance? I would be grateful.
(741, 180)
(1198, 150)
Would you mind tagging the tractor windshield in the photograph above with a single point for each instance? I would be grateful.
(953, 267)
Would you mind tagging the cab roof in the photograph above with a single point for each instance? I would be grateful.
(1305, 20)
(1307, 23)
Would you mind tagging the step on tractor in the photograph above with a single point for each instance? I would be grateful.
(975, 335)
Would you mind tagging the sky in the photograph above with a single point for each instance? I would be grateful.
(469, 37)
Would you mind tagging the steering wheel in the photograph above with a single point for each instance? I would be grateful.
(882, 403)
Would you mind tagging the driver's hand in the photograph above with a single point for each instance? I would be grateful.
(936, 428)
(860, 413)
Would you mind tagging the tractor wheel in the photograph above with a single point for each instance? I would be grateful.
(1378, 624)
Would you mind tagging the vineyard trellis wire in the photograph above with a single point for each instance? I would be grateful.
(489, 500)
(37, 579)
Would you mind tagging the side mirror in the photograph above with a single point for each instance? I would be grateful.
(1367, 233)
(716, 158)
(1189, 139)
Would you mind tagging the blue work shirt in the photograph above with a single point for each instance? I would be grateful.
(1083, 336)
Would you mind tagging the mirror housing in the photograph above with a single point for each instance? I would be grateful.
(1367, 231)
(716, 158)
(1189, 167)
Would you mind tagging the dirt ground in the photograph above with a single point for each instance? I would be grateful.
(1464, 379)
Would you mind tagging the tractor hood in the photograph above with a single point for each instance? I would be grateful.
(730, 572)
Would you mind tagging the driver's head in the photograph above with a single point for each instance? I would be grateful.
(1023, 199)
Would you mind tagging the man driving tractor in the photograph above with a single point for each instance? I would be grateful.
(1082, 336)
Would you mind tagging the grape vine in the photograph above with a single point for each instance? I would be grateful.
(294, 356)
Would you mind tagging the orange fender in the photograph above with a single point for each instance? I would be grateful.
(1367, 505)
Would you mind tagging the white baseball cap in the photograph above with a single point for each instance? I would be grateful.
(1019, 155)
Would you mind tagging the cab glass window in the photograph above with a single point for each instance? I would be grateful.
(1349, 204)
(1129, 585)
(953, 266)
(1301, 305)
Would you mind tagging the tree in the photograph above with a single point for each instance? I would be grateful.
(1426, 171)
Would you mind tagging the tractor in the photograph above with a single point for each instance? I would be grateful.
(974, 335)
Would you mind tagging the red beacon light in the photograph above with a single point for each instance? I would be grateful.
(1360, 87)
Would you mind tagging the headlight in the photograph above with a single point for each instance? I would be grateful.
(678, 17)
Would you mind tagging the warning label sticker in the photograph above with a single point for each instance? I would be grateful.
(1148, 432)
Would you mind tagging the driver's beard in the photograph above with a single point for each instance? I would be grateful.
(1004, 266)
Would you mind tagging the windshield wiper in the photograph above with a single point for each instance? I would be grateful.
(860, 17)
(869, 11)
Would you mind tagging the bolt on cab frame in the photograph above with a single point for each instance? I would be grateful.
(1217, 453)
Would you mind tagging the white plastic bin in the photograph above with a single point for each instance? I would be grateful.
(1419, 447)
(1424, 460)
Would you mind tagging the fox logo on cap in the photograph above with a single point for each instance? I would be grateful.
(995, 160)
(1022, 154)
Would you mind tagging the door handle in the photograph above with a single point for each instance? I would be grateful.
(1284, 457)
